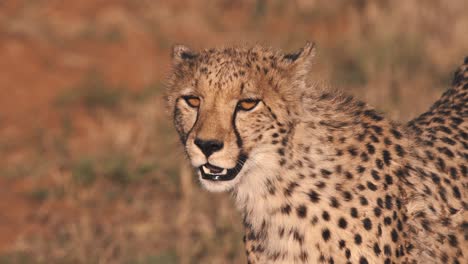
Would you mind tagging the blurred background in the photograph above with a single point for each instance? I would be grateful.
(91, 170)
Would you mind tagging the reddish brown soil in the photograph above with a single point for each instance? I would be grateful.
(14, 212)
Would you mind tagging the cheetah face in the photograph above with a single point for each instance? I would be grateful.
(228, 108)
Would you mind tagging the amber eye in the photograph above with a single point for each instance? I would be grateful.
(192, 101)
(247, 104)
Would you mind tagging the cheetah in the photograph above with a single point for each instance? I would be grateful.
(319, 176)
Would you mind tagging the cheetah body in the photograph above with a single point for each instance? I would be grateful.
(319, 176)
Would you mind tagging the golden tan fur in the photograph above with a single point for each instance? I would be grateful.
(321, 177)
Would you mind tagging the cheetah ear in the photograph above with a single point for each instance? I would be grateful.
(301, 60)
(181, 53)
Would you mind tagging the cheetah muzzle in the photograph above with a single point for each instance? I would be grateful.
(213, 173)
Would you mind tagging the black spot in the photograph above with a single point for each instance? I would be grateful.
(386, 157)
(363, 260)
(326, 234)
(325, 173)
(377, 129)
(456, 192)
(375, 175)
(387, 250)
(298, 237)
(377, 250)
(388, 202)
(326, 216)
(442, 194)
(314, 220)
(301, 211)
(400, 151)
(399, 225)
(370, 148)
(448, 141)
(452, 240)
(290, 189)
(426, 224)
(282, 162)
(453, 173)
(446, 151)
(387, 220)
(387, 141)
(377, 211)
(314, 196)
(388, 179)
(363, 201)
(396, 133)
(358, 239)
(380, 202)
(286, 209)
(354, 212)
(352, 151)
(321, 184)
(342, 243)
(360, 169)
(342, 223)
(364, 157)
(334, 202)
(379, 163)
(347, 196)
(371, 186)
(281, 151)
(373, 115)
(394, 235)
(367, 223)
(338, 169)
(251, 236)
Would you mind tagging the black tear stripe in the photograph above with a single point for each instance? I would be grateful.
(236, 132)
(183, 136)
(242, 158)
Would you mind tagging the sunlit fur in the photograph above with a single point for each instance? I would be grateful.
(327, 179)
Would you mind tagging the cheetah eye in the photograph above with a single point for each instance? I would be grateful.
(247, 104)
(192, 101)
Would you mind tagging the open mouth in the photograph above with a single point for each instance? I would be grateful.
(214, 173)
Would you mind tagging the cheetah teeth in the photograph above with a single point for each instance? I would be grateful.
(208, 171)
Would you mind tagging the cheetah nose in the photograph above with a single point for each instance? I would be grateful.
(208, 147)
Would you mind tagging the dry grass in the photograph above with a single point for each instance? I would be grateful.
(102, 176)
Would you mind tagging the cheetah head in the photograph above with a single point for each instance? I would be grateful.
(230, 107)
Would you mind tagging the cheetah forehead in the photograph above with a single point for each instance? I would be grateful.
(238, 68)
(234, 68)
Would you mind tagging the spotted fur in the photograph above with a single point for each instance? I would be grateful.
(323, 177)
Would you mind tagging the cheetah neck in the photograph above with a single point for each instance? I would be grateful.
(288, 191)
